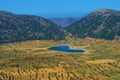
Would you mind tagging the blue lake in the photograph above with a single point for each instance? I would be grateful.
(65, 49)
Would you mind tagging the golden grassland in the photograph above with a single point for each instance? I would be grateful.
(31, 60)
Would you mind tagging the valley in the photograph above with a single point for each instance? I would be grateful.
(30, 60)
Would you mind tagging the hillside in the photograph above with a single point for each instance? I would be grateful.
(14, 28)
(64, 22)
(102, 23)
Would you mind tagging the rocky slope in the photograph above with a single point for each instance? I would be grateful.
(14, 28)
(102, 23)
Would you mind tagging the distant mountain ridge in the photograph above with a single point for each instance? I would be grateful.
(102, 24)
(15, 28)
(64, 22)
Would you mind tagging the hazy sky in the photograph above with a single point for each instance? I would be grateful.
(57, 8)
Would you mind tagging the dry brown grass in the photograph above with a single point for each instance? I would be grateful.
(102, 61)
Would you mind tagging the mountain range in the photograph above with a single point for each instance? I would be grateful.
(101, 24)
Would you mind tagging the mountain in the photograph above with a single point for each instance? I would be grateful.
(14, 28)
(102, 23)
(64, 21)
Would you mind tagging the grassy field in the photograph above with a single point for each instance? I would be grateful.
(31, 60)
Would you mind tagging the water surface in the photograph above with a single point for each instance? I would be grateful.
(65, 49)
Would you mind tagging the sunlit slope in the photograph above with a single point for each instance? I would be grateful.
(101, 24)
